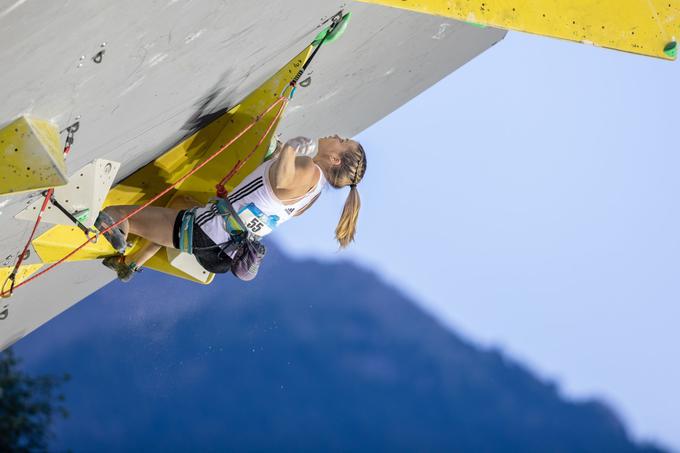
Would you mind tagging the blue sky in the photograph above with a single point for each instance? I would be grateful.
(529, 200)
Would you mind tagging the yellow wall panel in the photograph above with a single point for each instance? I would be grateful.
(647, 27)
(60, 240)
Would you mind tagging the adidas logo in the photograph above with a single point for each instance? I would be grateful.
(290, 210)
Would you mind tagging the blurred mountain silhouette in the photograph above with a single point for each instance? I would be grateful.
(310, 356)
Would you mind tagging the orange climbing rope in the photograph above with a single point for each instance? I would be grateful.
(283, 100)
(220, 190)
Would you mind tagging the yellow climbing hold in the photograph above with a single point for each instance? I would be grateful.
(31, 156)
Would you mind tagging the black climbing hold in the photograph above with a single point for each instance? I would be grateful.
(98, 56)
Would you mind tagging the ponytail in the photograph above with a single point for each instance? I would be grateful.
(349, 172)
(347, 224)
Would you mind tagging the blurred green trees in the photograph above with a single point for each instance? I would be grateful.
(28, 406)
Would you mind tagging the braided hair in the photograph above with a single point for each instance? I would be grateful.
(350, 172)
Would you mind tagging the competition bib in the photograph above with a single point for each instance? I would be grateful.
(256, 221)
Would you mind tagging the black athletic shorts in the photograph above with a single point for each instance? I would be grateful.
(205, 250)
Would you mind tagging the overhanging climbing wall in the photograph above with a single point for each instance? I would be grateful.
(172, 67)
(647, 27)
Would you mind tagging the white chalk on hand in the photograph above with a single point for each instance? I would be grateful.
(303, 146)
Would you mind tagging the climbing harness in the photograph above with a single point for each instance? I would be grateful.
(186, 232)
(253, 250)
(241, 253)
(244, 248)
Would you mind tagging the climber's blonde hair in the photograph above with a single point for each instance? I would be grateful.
(349, 172)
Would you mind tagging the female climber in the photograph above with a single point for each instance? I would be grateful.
(284, 186)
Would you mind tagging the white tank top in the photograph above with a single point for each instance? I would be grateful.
(259, 208)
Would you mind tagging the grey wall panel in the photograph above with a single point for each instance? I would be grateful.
(168, 63)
